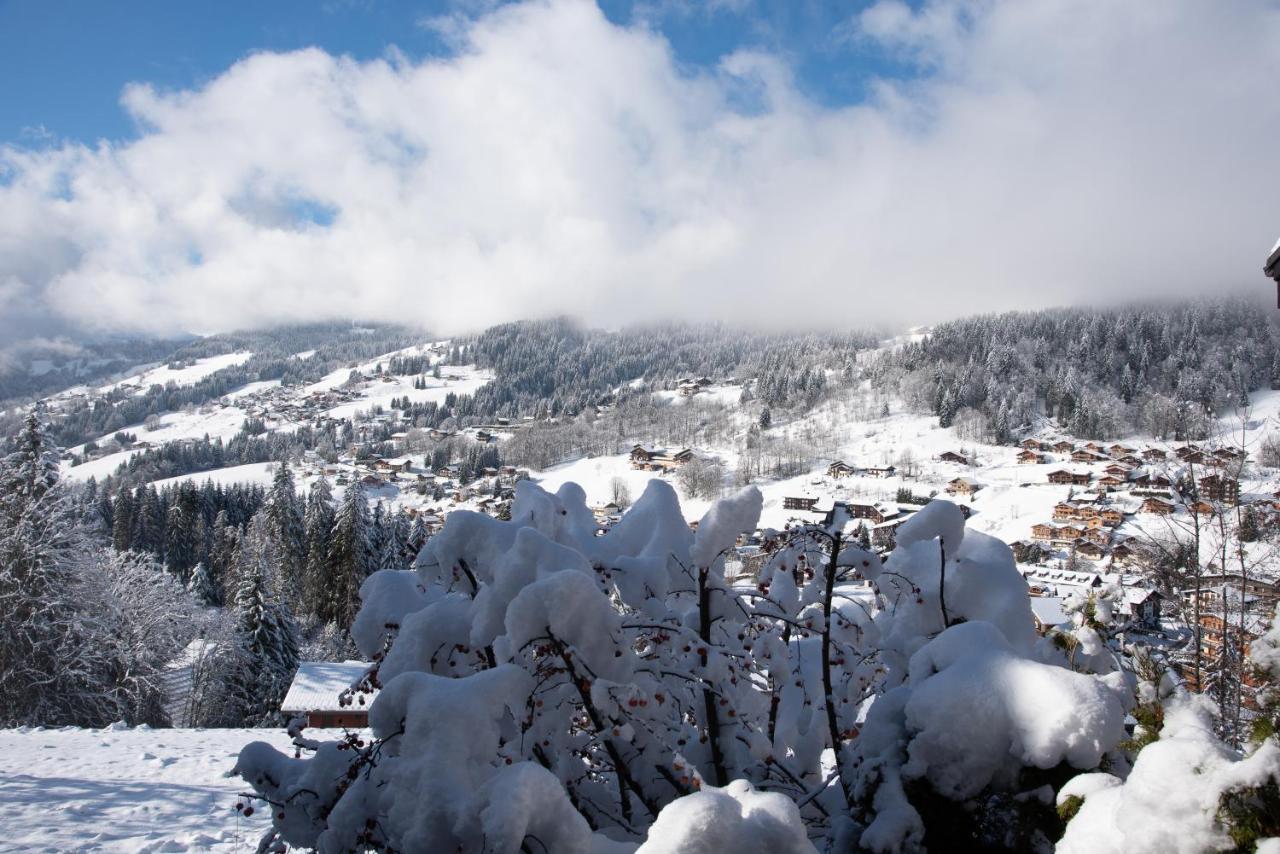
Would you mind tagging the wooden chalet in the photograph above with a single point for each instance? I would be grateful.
(953, 457)
(1157, 506)
(963, 486)
(1063, 447)
(1062, 476)
(315, 691)
(1030, 457)
(1154, 455)
(840, 469)
(649, 458)
(879, 471)
(1032, 444)
(877, 511)
(1044, 532)
(1216, 487)
(1084, 455)
(799, 502)
(1090, 550)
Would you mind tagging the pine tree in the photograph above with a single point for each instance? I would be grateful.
(203, 586)
(50, 668)
(270, 639)
(351, 558)
(318, 525)
(766, 418)
(287, 533)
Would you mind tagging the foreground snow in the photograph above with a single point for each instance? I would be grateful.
(125, 789)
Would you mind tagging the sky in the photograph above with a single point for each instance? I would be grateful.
(172, 167)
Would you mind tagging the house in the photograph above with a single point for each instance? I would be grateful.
(1044, 532)
(1030, 458)
(1048, 613)
(1201, 508)
(1142, 606)
(1067, 534)
(1063, 447)
(1216, 487)
(1118, 470)
(1120, 450)
(1153, 455)
(879, 471)
(1031, 444)
(647, 457)
(1122, 554)
(1084, 455)
(1157, 506)
(1089, 550)
(953, 457)
(877, 512)
(1062, 510)
(1097, 535)
(1110, 482)
(793, 502)
(963, 486)
(396, 464)
(1069, 477)
(840, 469)
(315, 691)
(1111, 517)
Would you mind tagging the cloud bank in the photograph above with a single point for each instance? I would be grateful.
(1044, 154)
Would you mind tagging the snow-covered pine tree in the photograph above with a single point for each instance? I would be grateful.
(204, 587)
(318, 525)
(351, 557)
(287, 532)
(50, 667)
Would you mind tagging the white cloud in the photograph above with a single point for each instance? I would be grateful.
(1054, 153)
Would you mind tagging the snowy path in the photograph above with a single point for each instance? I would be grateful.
(125, 790)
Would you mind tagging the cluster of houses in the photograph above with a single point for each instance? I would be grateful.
(840, 469)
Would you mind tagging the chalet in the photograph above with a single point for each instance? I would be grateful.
(1067, 534)
(879, 471)
(794, 502)
(1111, 517)
(649, 458)
(1259, 589)
(1026, 551)
(1153, 455)
(1120, 450)
(1110, 482)
(953, 457)
(1044, 532)
(1030, 458)
(1062, 510)
(1032, 444)
(1216, 487)
(1097, 535)
(840, 469)
(439, 435)
(1063, 447)
(963, 486)
(1142, 606)
(1069, 477)
(877, 512)
(1122, 554)
(315, 691)
(1201, 508)
(1084, 455)
(1048, 613)
(485, 436)
(1157, 506)
(373, 481)
(396, 465)
(1118, 470)
(1089, 550)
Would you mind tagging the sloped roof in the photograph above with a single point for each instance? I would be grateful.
(317, 684)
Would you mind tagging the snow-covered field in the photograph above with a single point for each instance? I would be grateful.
(127, 790)
(189, 375)
(257, 473)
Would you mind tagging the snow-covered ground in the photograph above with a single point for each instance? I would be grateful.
(189, 375)
(255, 473)
(127, 790)
(381, 391)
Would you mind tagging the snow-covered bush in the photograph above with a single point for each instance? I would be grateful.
(547, 688)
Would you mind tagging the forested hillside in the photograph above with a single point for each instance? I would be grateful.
(1163, 370)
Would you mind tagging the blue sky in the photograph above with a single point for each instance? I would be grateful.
(916, 159)
(64, 64)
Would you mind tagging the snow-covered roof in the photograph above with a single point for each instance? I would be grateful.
(317, 684)
(1048, 610)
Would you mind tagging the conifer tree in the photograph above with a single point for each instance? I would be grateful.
(318, 524)
(351, 557)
